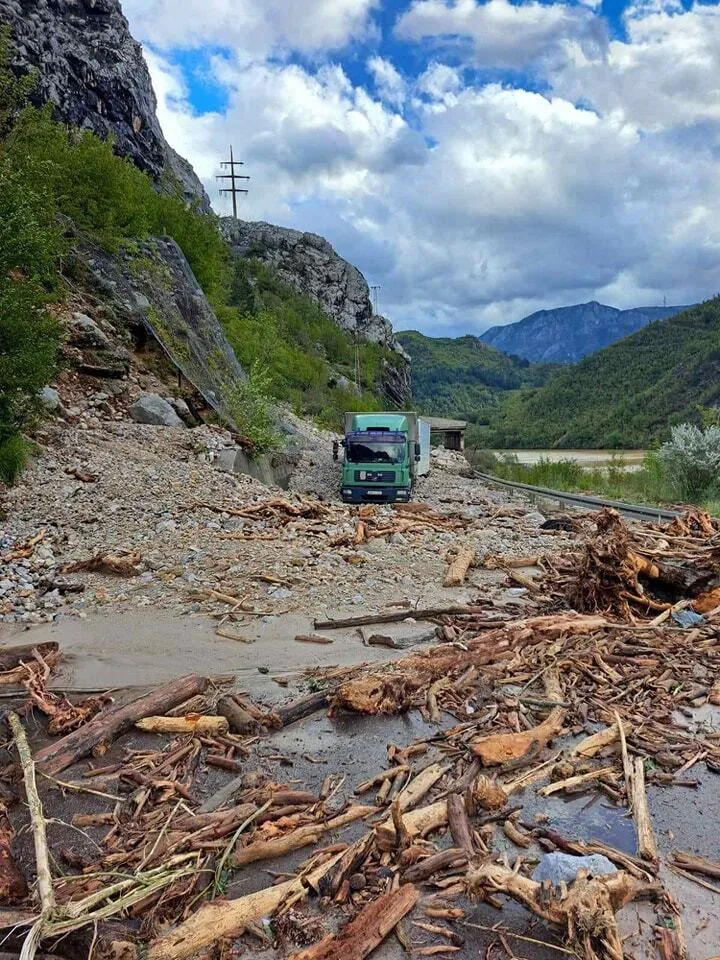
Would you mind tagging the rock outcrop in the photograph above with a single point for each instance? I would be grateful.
(309, 264)
(93, 71)
(151, 290)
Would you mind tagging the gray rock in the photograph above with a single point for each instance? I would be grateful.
(93, 72)
(50, 399)
(563, 867)
(86, 333)
(182, 410)
(150, 408)
(280, 593)
(534, 519)
(310, 265)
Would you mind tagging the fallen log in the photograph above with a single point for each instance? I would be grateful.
(363, 934)
(421, 785)
(501, 748)
(587, 912)
(427, 613)
(302, 707)
(349, 863)
(458, 569)
(695, 864)
(114, 721)
(424, 869)
(576, 781)
(301, 837)
(647, 846)
(417, 823)
(592, 745)
(312, 638)
(459, 824)
(221, 919)
(240, 720)
(193, 723)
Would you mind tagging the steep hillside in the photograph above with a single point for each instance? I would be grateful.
(627, 395)
(307, 264)
(92, 71)
(462, 376)
(567, 334)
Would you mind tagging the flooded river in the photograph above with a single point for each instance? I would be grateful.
(586, 458)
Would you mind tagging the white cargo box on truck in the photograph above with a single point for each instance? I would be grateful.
(423, 465)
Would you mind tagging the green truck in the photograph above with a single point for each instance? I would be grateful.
(384, 453)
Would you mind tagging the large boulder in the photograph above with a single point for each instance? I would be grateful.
(151, 408)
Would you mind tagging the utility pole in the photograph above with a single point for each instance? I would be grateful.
(233, 178)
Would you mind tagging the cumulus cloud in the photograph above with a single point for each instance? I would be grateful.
(389, 83)
(500, 34)
(254, 28)
(475, 203)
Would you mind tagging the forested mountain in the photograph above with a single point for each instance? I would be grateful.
(627, 395)
(567, 334)
(463, 377)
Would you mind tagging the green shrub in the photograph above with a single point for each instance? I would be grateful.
(13, 457)
(250, 407)
(691, 461)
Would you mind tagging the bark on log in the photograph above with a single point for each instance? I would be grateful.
(360, 937)
(424, 869)
(240, 720)
(302, 707)
(647, 846)
(302, 837)
(429, 613)
(418, 823)
(13, 888)
(228, 918)
(458, 569)
(193, 724)
(113, 722)
(11, 657)
(459, 824)
(501, 748)
(587, 912)
(348, 864)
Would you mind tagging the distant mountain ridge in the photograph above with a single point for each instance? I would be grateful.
(567, 334)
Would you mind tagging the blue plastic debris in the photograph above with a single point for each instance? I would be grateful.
(687, 618)
(563, 867)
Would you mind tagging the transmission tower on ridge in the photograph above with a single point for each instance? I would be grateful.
(233, 178)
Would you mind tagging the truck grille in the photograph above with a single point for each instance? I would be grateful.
(374, 476)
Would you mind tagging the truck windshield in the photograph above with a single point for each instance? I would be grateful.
(375, 452)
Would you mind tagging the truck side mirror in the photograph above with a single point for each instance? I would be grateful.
(417, 452)
(336, 450)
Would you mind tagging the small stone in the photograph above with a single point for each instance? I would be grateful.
(50, 399)
(357, 881)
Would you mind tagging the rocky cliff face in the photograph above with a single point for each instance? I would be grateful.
(309, 264)
(94, 73)
(567, 334)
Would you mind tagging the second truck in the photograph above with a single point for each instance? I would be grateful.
(384, 454)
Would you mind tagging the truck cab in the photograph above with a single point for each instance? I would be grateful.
(383, 454)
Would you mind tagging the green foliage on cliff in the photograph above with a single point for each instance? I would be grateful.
(30, 246)
(463, 377)
(628, 395)
(306, 355)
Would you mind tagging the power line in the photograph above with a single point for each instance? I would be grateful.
(233, 178)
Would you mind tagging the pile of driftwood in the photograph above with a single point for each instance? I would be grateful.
(641, 570)
(554, 705)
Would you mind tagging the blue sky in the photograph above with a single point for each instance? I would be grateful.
(479, 159)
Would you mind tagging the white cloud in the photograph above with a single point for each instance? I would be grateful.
(474, 205)
(389, 82)
(501, 34)
(254, 28)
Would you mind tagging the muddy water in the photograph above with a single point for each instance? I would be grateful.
(586, 458)
(146, 646)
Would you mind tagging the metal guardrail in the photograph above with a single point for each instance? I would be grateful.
(633, 511)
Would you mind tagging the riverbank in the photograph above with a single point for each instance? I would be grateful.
(621, 478)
